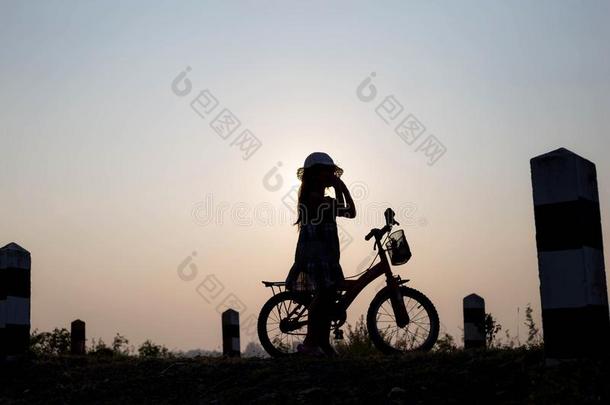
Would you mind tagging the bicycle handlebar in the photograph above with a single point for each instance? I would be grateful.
(378, 233)
(389, 221)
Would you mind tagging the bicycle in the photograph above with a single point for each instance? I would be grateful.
(400, 319)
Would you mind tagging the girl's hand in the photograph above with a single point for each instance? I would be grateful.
(346, 203)
(337, 182)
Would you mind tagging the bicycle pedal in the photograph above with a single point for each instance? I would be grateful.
(338, 334)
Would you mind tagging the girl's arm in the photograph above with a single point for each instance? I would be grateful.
(345, 203)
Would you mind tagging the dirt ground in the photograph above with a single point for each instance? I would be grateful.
(504, 376)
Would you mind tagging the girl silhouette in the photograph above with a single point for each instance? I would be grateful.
(316, 265)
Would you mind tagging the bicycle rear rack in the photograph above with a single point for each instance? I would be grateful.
(280, 285)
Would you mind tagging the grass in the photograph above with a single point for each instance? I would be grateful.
(493, 376)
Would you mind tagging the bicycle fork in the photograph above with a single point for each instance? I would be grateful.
(398, 304)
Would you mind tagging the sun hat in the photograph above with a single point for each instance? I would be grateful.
(318, 158)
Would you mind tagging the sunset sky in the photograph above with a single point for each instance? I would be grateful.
(111, 180)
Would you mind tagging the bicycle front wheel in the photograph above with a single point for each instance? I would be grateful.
(420, 334)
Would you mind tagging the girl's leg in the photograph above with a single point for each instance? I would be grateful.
(326, 299)
(313, 322)
(318, 326)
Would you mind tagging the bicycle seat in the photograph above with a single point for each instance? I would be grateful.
(274, 283)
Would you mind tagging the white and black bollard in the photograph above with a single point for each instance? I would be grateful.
(474, 322)
(77, 337)
(15, 264)
(230, 333)
(570, 256)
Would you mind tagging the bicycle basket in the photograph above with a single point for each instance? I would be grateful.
(398, 248)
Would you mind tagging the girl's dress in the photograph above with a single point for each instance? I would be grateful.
(316, 260)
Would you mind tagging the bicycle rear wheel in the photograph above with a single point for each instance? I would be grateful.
(282, 323)
(420, 334)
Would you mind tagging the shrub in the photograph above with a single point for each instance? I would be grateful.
(254, 349)
(52, 343)
(533, 333)
(120, 345)
(445, 344)
(492, 328)
(357, 340)
(99, 348)
(152, 350)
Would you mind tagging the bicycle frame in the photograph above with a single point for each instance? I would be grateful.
(353, 288)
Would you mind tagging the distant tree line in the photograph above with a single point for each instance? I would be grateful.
(57, 343)
(356, 342)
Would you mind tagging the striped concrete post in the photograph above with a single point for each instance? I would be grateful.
(474, 322)
(15, 263)
(230, 333)
(570, 256)
(77, 337)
